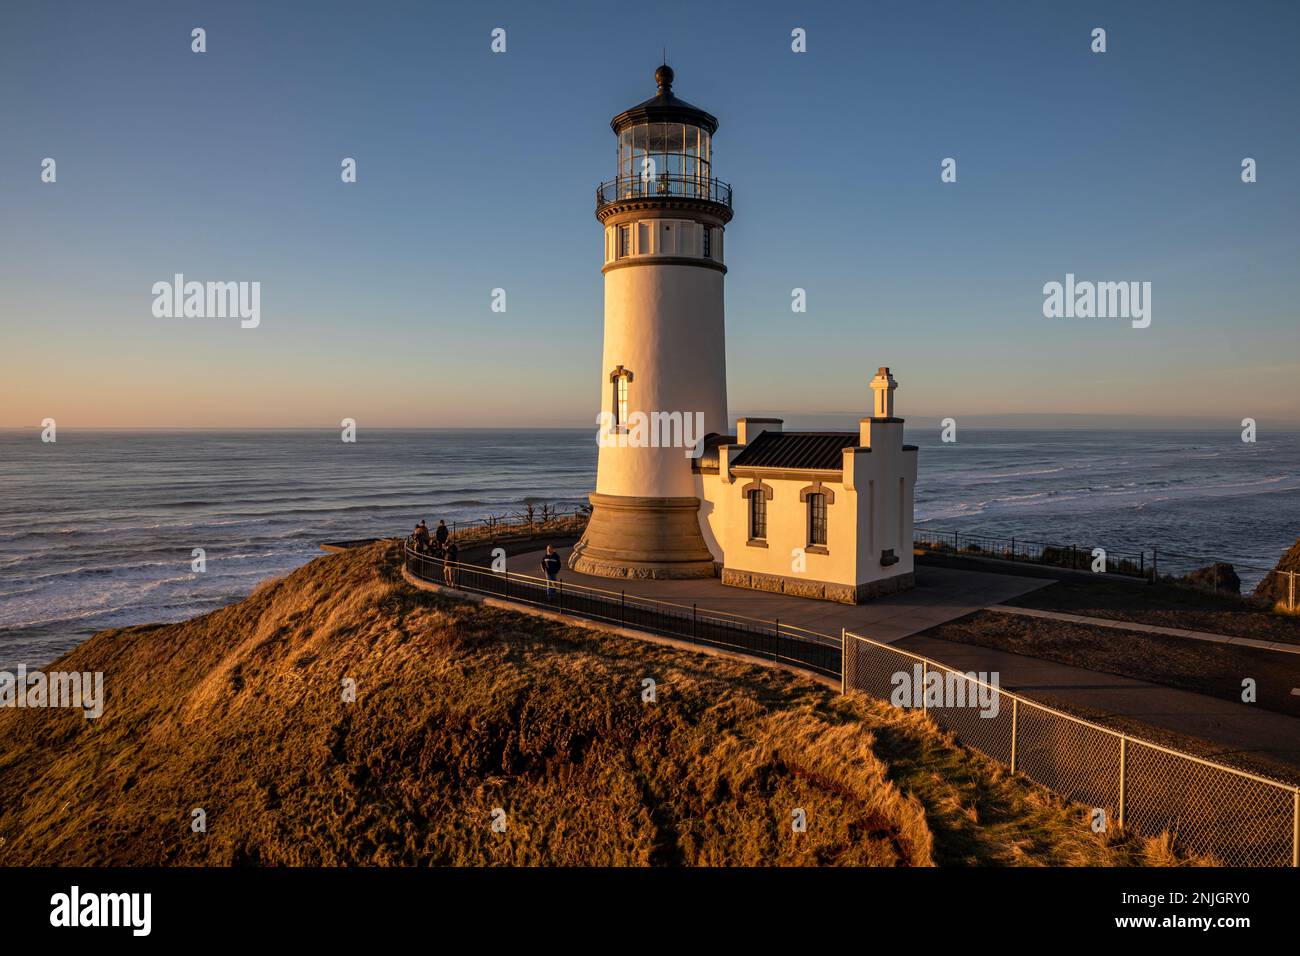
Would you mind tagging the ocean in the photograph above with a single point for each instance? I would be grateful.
(98, 529)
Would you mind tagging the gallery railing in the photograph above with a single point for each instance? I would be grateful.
(1240, 818)
(663, 186)
(769, 640)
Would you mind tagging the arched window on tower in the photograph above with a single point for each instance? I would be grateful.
(620, 378)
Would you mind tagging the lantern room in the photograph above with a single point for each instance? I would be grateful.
(665, 148)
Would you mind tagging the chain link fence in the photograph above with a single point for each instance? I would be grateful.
(1239, 818)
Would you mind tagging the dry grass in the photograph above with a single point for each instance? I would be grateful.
(462, 709)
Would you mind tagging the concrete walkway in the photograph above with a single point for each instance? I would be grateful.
(941, 594)
(1235, 728)
(1151, 629)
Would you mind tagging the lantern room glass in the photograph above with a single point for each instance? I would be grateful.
(679, 159)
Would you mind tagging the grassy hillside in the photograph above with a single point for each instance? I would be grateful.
(461, 709)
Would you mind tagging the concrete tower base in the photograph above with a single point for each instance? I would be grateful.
(631, 537)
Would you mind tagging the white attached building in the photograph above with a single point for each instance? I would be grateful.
(817, 514)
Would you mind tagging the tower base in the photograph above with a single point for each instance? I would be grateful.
(634, 537)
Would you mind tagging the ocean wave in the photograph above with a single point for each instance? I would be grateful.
(1017, 474)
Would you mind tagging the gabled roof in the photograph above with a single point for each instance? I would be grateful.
(818, 451)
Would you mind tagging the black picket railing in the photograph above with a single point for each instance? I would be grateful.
(769, 640)
(1202, 572)
(663, 186)
(549, 519)
(1080, 558)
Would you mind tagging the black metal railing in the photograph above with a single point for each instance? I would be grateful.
(548, 518)
(1202, 572)
(663, 186)
(769, 640)
(1077, 557)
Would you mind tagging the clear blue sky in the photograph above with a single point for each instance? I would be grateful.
(478, 170)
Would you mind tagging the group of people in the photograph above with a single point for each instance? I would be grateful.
(440, 546)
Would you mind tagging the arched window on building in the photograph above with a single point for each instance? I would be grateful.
(757, 495)
(817, 520)
(757, 515)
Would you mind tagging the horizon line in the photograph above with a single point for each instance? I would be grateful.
(1039, 426)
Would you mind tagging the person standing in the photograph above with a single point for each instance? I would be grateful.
(551, 565)
(449, 564)
(442, 534)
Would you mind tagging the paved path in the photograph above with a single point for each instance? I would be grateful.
(1152, 629)
(1235, 728)
(941, 594)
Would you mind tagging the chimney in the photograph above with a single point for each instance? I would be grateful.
(883, 385)
(747, 429)
(882, 429)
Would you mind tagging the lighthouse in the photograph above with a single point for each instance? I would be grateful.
(663, 374)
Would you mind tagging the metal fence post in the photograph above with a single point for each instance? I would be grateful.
(1015, 718)
(1123, 766)
(925, 671)
(844, 660)
(622, 608)
(1295, 831)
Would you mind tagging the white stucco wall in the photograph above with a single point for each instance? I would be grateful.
(884, 480)
(664, 323)
(727, 510)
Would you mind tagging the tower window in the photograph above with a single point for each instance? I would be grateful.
(619, 379)
(817, 520)
(708, 251)
(624, 241)
(757, 515)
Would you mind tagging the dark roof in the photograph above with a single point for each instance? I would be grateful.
(822, 451)
(664, 107)
(709, 455)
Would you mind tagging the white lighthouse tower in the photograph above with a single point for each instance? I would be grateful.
(663, 378)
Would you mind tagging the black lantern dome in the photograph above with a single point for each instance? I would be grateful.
(665, 107)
